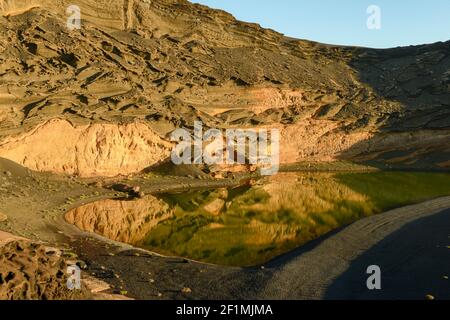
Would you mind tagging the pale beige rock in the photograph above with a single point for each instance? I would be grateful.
(257, 79)
(89, 150)
(95, 285)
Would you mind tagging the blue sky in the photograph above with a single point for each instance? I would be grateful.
(403, 22)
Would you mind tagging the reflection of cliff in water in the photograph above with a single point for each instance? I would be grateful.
(123, 221)
(252, 224)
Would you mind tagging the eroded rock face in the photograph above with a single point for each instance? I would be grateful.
(31, 271)
(123, 221)
(87, 150)
(168, 63)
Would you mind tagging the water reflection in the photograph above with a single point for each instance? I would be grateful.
(123, 221)
(251, 224)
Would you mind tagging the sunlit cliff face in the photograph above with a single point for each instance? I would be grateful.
(123, 221)
(106, 97)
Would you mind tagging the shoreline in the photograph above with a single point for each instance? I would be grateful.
(308, 272)
(147, 275)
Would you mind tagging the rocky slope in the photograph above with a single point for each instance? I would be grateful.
(88, 149)
(138, 69)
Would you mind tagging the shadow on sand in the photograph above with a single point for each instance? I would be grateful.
(414, 262)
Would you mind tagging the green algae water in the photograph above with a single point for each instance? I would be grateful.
(252, 224)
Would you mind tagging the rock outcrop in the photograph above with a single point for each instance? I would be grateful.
(158, 65)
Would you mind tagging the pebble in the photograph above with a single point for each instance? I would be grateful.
(186, 290)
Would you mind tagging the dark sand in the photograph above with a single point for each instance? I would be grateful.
(409, 244)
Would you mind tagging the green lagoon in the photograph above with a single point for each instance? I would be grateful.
(254, 223)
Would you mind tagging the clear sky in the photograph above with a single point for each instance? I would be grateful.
(403, 22)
